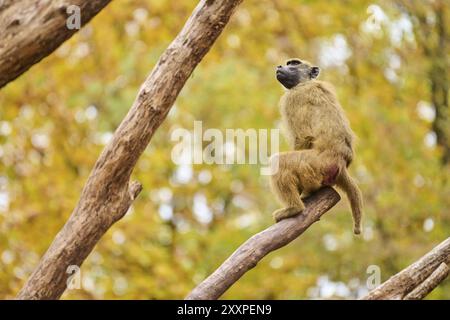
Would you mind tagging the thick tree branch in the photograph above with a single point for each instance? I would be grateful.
(422, 290)
(107, 196)
(417, 280)
(257, 247)
(32, 29)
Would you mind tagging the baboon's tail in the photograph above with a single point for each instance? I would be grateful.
(349, 186)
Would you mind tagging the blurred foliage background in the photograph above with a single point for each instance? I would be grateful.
(389, 62)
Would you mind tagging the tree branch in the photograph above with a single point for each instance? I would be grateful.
(422, 290)
(413, 281)
(107, 196)
(257, 247)
(31, 30)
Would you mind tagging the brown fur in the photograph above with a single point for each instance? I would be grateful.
(320, 134)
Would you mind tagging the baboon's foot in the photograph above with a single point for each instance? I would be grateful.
(285, 213)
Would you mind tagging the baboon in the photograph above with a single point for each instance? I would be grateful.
(320, 134)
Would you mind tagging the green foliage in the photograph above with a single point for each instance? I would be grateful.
(57, 117)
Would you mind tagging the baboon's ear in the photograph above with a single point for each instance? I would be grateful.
(314, 72)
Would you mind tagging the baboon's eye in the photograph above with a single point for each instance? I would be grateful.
(294, 62)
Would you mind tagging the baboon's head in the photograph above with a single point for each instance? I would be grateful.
(296, 71)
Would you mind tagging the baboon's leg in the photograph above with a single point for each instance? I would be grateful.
(286, 185)
(309, 170)
(290, 197)
(299, 172)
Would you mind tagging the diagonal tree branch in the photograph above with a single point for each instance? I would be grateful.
(30, 30)
(107, 195)
(423, 289)
(413, 281)
(257, 247)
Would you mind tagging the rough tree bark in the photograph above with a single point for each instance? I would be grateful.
(108, 194)
(417, 280)
(32, 29)
(257, 247)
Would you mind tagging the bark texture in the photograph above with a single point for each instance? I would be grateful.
(108, 194)
(32, 29)
(422, 290)
(417, 280)
(257, 247)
